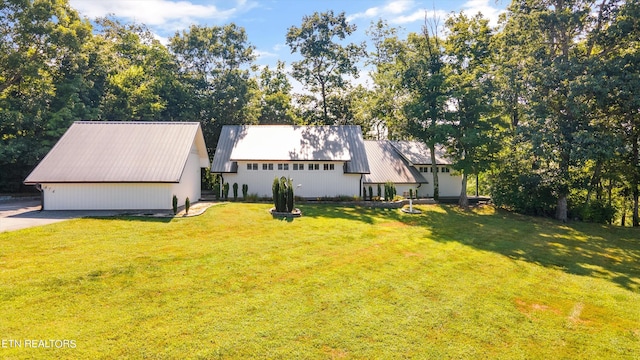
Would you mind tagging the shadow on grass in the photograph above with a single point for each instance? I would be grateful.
(150, 219)
(582, 249)
(606, 252)
(356, 213)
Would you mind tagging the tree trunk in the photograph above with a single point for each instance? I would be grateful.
(464, 200)
(434, 172)
(325, 113)
(561, 209)
(595, 179)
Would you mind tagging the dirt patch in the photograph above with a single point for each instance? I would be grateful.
(334, 353)
(530, 309)
(574, 315)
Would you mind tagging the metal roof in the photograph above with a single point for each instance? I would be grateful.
(110, 151)
(290, 143)
(417, 153)
(387, 165)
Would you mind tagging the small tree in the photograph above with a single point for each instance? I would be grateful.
(290, 200)
(175, 204)
(245, 191)
(410, 193)
(235, 191)
(364, 192)
(225, 191)
(275, 190)
(370, 193)
(187, 205)
(379, 191)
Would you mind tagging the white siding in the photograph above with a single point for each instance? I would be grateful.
(107, 196)
(314, 183)
(449, 183)
(189, 185)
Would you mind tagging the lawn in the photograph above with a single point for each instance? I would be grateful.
(338, 282)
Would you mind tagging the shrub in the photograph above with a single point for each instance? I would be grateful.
(364, 192)
(597, 211)
(370, 193)
(245, 191)
(290, 196)
(187, 205)
(225, 191)
(235, 191)
(389, 191)
(275, 190)
(410, 193)
(282, 195)
(175, 204)
(379, 191)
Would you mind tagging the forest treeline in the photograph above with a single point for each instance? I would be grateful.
(544, 108)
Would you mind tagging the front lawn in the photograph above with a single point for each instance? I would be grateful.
(338, 282)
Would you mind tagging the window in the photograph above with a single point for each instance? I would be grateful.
(248, 166)
(253, 166)
(264, 166)
(424, 169)
(329, 166)
(298, 166)
(270, 166)
(314, 166)
(280, 166)
(286, 166)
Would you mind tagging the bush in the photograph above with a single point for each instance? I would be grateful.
(225, 191)
(379, 191)
(175, 204)
(245, 191)
(597, 211)
(290, 196)
(370, 193)
(283, 197)
(523, 191)
(235, 191)
(410, 193)
(187, 205)
(389, 191)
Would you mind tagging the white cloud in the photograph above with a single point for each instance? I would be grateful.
(392, 7)
(168, 13)
(473, 7)
(419, 15)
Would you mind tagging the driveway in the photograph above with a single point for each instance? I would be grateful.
(22, 214)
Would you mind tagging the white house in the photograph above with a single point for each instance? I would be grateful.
(321, 160)
(326, 161)
(107, 165)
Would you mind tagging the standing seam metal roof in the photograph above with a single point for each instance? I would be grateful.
(110, 151)
(388, 165)
(290, 143)
(417, 153)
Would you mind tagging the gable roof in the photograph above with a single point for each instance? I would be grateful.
(110, 151)
(388, 165)
(417, 153)
(290, 143)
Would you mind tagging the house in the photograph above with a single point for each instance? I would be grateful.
(105, 165)
(326, 161)
(407, 164)
(321, 160)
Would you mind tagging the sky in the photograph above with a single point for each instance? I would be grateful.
(267, 21)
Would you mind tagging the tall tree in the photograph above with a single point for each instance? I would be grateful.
(214, 63)
(424, 79)
(325, 61)
(473, 123)
(43, 69)
(548, 36)
(276, 100)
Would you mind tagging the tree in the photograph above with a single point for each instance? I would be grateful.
(43, 81)
(276, 100)
(325, 61)
(213, 65)
(547, 36)
(473, 124)
(424, 79)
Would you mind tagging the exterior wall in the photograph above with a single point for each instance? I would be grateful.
(190, 183)
(401, 189)
(314, 183)
(450, 183)
(107, 196)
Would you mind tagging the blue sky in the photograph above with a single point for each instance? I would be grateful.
(267, 21)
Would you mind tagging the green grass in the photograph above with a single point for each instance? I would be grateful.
(336, 283)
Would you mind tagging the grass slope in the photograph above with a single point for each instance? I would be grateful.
(336, 283)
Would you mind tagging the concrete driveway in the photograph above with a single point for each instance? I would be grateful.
(25, 213)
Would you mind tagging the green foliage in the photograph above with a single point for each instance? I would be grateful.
(370, 193)
(389, 191)
(325, 60)
(379, 191)
(187, 205)
(283, 194)
(235, 191)
(290, 196)
(245, 191)
(225, 191)
(410, 193)
(174, 203)
(275, 189)
(597, 211)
